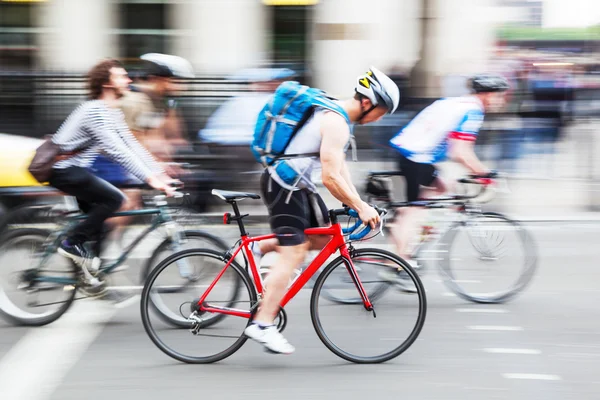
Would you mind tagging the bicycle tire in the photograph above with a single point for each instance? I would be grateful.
(420, 292)
(171, 318)
(145, 305)
(11, 315)
(374, 293)
(522, 282)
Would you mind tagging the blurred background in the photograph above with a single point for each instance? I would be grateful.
(546, 140)
(548, 49)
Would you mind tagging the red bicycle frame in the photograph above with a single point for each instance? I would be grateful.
(336, 243)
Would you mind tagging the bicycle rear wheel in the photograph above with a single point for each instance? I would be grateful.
(490, 258)
(210, 342)
(399, 316)
(187, 275)
(31, 295)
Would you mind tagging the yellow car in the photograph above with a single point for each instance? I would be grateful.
(16, 153)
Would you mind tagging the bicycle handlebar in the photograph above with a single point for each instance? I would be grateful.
(353, 213)
(485, 179)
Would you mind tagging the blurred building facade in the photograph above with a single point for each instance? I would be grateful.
(523, 12)
(330, 41)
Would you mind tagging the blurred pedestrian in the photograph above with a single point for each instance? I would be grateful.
(234, 121)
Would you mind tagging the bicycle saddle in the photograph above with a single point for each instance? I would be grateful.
(233, 196)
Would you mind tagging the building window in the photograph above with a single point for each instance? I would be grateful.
(290, 35)
(143, 28)
(17, 35)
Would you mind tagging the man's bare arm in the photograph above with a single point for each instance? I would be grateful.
(335, 134)
(347, 178)
(463, 152)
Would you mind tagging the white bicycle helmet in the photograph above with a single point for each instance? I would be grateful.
(169, 66)
(379, 88)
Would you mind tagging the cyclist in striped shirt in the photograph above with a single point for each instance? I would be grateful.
(98, 126)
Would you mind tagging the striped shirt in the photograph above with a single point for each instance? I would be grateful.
(97, 128)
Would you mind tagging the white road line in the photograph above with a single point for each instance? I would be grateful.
(482, 310)
(539, 377)
(512, 351)
(494, 328)
(48, 353)
(577, 355)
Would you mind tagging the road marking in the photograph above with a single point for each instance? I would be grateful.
(482, 310)
(539, 377)
(577, 355)
(49, 352)
(448, 294)
(494, 328)
(512, 351)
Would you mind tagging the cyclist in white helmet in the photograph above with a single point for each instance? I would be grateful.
(292, 209)
(447, 129)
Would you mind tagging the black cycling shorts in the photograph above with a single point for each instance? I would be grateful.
(289, 219)
(416, 175)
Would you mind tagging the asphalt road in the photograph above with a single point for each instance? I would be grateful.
(545, 344)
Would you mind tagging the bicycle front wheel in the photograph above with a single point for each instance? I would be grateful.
(355, 334)
(490, 258)
(32, 294)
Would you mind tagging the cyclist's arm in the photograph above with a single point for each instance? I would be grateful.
(347, 178)
(101, 127)
(335, 134)
(463, 151)
(462, 142)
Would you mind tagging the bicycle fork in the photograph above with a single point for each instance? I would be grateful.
(345, 252)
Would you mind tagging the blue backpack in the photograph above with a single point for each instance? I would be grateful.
(290, 107)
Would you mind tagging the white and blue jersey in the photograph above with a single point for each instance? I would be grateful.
(425, 139)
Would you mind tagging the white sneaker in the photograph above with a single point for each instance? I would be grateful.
(270, 338)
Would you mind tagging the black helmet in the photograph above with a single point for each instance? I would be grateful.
(489, 83)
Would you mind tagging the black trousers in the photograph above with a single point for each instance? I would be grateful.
(96, 197)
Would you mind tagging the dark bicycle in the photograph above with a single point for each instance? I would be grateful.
(43, 272)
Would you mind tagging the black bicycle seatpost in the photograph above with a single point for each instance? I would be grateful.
(239, 219)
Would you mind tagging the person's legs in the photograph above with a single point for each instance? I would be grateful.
(408, 218)
(98, 199)
(290, 214)
(115, 227)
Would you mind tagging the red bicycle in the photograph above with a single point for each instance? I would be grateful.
(221, 296)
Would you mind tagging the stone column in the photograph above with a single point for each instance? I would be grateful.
(220, 36)
(75, 34)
